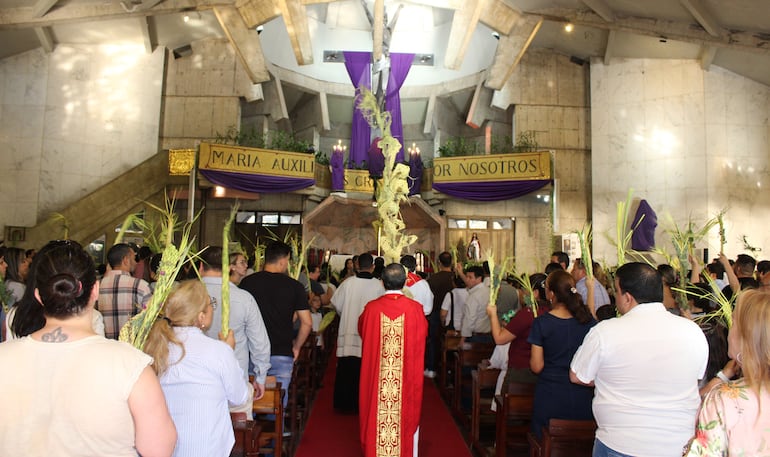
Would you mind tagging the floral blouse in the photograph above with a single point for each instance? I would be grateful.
(730, 423)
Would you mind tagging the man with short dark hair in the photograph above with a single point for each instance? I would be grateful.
(349, 301)
(561, 258)
(393, 331)
(476, 325)
(121, 296)
(279, 296)
(251, 340)
(441, 283)
(741, 275)
(645, 366)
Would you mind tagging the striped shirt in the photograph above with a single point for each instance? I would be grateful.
(121, 296)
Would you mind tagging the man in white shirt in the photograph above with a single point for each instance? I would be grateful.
(475, 323)
(349, 301)
(419, 287)
(645, 366)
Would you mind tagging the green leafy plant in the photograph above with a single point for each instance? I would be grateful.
(457, 147)
(526, 142)
(278, 140)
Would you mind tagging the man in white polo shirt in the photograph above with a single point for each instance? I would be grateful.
(645, 366)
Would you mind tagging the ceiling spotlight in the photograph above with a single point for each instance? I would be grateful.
(663, 39)
(260, 28)
(186, 18)
(496, 35)
(569, 27)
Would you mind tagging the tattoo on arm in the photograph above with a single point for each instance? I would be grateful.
(56, 336)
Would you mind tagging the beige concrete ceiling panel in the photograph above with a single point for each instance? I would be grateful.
(463, 25)
(245, 43)
(499, 16)
(295, 18)
(511, 49)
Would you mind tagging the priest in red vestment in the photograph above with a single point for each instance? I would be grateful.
(393, 329)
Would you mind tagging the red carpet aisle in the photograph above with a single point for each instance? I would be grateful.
(336, 435)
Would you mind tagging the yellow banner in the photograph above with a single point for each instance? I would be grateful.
(358, 181)
(223, 157)
(499, 167)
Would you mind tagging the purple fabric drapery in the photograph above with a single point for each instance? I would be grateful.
(490, 191)
(256, 183)
(359, 67)
(337, 163)
(399, 68)
(645, 221)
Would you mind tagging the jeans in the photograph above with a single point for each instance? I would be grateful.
(281, 367)
(601, 450)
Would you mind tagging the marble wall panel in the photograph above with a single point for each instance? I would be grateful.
(69, 107)
(692, 149)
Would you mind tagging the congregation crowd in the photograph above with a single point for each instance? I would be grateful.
(659, 378)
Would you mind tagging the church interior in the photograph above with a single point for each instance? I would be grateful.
(105, 106)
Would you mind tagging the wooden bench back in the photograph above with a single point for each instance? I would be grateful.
(568, 438)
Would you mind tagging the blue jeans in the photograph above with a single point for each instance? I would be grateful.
(281, 367)
(601, 450)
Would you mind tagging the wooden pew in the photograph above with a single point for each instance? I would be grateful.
(484, 380)
(468, 357)
(246, 436)
(450, 343)
(271, 405)
(514, 415)
(564, 438)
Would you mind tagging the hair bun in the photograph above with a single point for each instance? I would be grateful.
(64, 287)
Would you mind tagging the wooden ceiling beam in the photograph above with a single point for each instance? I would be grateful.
(609, 49)
(756, 42)
(42, 7)
(46, 38)
(706, 57)
(704, 18)
(464, 24)
(245, 43)
(510, 49)
(601, 8)
(144, 27)
(257, 12)
(24, 17)
(378, 29)
(295, 17)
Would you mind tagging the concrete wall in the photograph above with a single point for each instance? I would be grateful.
(72, 121)
(550, 97)
(691, 142)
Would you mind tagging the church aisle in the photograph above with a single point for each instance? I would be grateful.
(330, 434)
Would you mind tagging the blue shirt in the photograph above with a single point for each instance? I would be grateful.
(198, 389)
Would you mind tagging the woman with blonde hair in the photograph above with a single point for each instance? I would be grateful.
(200, 376)
(735, 416)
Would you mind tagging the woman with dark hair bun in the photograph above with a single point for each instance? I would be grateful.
(555, 337)
(77, 392)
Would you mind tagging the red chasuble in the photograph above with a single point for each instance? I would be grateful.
(393, 329)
